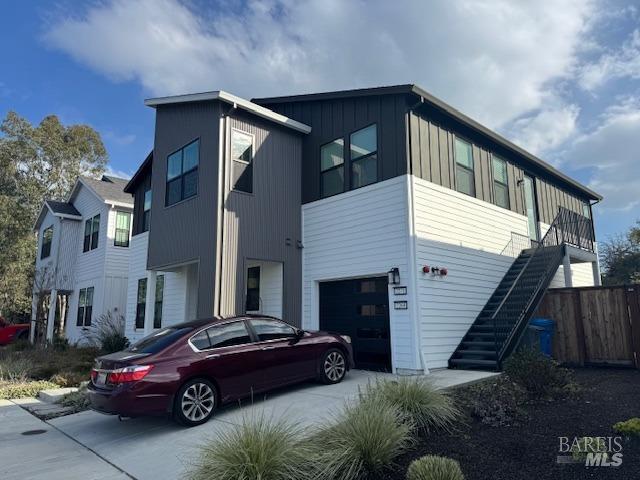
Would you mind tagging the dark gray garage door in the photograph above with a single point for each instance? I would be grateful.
(359, 308)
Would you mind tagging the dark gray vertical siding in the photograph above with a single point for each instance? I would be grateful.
(338, 118)
(186, 232)
(266, 225)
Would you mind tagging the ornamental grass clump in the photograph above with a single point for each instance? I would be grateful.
(364, 440)
(419, 401)
(629, 428)
(259, 448)
(432, 467)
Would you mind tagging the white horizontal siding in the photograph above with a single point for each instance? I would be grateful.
(361, 233)
(466, 236)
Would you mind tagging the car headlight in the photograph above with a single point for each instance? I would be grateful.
(346, 338)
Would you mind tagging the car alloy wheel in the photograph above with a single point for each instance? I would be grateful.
(197, 402)
(334, 366)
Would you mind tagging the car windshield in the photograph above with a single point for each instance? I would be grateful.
(159, 340)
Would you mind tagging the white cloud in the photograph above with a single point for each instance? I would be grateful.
(546, 129)
(612, 150)
(492, 59)
(621, 63)
(114, 172)
(119, 139)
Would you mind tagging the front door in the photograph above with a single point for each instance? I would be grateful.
(530, 207)
(359, 308)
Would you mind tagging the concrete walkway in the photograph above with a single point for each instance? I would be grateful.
(156, 448)
(47, 455)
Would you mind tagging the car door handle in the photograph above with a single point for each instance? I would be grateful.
(214, 355)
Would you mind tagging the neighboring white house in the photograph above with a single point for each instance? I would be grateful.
(83, 256)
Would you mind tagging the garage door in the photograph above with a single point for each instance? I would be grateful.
(359, 308)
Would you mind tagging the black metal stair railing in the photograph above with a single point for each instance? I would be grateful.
(568, 228)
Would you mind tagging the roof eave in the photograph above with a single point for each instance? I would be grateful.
(233, 100)
(133, 183)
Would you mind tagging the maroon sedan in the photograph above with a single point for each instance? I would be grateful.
(188, 369)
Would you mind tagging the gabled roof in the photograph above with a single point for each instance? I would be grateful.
(57, 209)
(108, 189)
(140, 174)
(233, 100)
(444, 108)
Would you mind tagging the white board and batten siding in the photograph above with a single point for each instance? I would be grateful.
(361, 233)
(466, 236)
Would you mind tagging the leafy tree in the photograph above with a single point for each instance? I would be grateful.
(36, 163)
(621, 258)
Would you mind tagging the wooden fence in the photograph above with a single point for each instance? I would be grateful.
(595, 325)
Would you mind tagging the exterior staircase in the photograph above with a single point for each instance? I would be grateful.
(497, 330)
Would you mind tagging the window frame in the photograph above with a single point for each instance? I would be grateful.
(146, 212)
(81, 319)
(497, 182)
(246, 303)
(158, 304)
(141, 307)
(182, 175)
(248, 164)
(256, 335)
(363, 157)
(335, 167)
(115, 235)
(45, 248)
(464, 167)
(88, 243)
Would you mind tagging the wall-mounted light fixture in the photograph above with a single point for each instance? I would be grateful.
(394, 276)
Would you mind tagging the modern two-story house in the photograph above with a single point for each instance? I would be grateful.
(380, 213)
(83, 256)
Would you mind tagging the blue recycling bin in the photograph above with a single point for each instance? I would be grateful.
(544, 327)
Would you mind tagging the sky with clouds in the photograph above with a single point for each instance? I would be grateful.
(559, 77)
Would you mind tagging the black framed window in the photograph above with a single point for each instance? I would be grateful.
(141, 303)
(47, 237)
(253, 289)
(267, 329)
(123, 228)
(500, 182)
(85, 307)
(363, 146)
(332, 168)
(157, 309)
(182, 173)
(242, 161)
(146, 212)
(465, 181)
(91, 233)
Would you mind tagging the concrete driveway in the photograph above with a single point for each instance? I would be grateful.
(155, 448)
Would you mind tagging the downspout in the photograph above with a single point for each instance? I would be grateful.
(220, 210)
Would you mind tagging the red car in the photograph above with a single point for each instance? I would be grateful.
(188, 369)
(10, 332)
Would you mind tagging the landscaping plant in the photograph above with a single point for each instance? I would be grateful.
(364, 440)
(628, 428)
(432, 467)
(77, 401)
(497, 402)
(538, 374)
(107, 333)
(426, 407)
(258, 449)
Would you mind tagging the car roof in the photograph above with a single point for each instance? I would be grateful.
(193, 324)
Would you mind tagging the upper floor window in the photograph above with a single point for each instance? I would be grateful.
(47, 236)
(465, 182)
(500, 182)
(364, 156)
(91, 233)
(332, 168)
(182, 173)
(146, 212)
(242, 161)
(586, 210)
(123, 224)
(85, 307)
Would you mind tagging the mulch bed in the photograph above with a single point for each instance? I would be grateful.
(529, 450)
